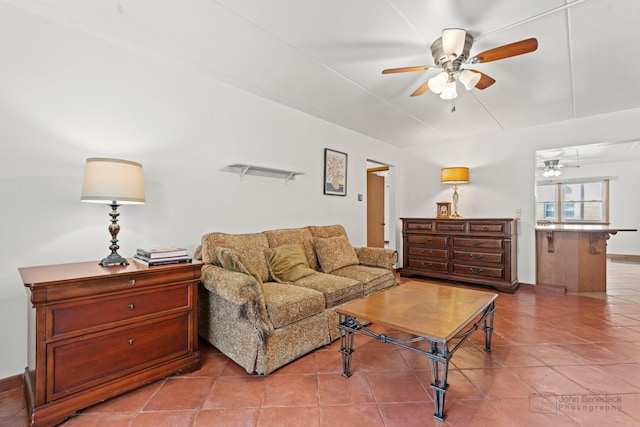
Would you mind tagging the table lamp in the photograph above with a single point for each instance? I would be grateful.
(114, 182)
(455, 176)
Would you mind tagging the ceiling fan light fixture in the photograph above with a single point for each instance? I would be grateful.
(437, 83)
(453, 40)
(449, 91)
(469, 79)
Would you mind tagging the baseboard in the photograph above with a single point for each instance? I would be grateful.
(550, 289)
(10, 383)
(623, 257)
(526, 287)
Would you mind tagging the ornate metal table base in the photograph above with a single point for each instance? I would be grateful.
(439, 354)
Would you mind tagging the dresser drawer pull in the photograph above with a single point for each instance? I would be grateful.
(475, 255)
(130, 306)
(132, 282)
(130, 341)
(477, 270)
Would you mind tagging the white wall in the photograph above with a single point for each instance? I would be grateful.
(66, 96)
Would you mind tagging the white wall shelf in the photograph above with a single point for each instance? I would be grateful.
(261, 170)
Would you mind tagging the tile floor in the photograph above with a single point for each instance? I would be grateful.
(569, 360)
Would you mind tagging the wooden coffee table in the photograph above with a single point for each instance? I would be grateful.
(442, 315)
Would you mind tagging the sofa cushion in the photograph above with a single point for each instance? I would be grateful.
(334, 253)
(288, 263)
(292, 235)
(288, 304)
(324, 231)
(373, 279)
(250, 246)
(235, 262)
(336, 289)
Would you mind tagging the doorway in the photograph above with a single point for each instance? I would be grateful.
(378, 206)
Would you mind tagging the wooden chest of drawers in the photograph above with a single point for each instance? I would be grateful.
(96, 332)
(479, 251)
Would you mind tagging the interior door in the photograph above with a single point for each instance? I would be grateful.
(375, 210)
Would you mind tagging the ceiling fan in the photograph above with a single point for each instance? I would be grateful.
(552, 168)
(450, 52)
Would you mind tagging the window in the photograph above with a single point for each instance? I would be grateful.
(584, 201)
(546, 202)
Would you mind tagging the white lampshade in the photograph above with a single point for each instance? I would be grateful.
(112, 180)
(436, 84)
(449, 91)
(469, 79)
(453, 41)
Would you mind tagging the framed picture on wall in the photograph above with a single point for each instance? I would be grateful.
(335, 172)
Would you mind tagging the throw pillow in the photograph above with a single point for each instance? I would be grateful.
(288, 263)
(334, 253)
(234, 262)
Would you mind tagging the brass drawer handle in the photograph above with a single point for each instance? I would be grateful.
(130, 306)
(477, 270)
(130, 341)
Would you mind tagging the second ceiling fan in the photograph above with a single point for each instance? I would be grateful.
(450, 52)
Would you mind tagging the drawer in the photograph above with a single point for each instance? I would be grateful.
(488, 227)
(490, 257)
(418, 226)
(473, 270)
(419, 239)
(92, 287)
(422, 264)
(427, 252)
(450, 226)
(100, 313)
(471, 242)
(84, 363)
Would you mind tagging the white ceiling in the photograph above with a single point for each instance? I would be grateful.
(325, 57)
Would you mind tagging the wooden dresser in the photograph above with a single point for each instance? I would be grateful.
(481, 251)
(96, 332)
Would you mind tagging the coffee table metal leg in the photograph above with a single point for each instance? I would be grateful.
(346, 345)
(488, 327)
(439, 360)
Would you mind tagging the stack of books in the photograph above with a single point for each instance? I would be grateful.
(161, 256)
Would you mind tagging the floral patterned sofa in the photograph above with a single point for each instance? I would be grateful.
(268, 298)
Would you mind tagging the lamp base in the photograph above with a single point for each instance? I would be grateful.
(113, 259)
(455, 215)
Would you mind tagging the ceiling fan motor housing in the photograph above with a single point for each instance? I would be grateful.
(448, 61)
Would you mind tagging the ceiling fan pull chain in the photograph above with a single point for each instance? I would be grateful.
(453, 106)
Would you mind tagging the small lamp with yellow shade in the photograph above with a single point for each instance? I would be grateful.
(455, 176)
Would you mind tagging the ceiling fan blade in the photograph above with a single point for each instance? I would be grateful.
(407, 69)
(485, 81)
(422, 89)
(506, 51)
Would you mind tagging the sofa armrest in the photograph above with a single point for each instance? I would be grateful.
(377, 257)
(241, 290)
